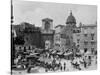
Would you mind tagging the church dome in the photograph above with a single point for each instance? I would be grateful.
(71, 19)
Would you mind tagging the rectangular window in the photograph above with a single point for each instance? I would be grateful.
(92, 42)
(85, 42)
(85, 50)
(85, 35)
(78, 40)
(78, 46)
(92, 50)
(92, 36)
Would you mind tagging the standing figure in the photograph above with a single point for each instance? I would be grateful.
(64, 66)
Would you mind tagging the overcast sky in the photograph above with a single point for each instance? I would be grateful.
(34, 12)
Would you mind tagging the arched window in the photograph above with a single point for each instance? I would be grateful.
(47, 25)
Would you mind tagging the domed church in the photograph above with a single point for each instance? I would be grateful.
(68, 30)
(71, 20)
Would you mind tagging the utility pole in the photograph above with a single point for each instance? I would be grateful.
(11, 12)
(12, 40)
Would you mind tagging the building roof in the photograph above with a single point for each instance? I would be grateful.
(88, 25)
(59, 26)
(71, 19)
(47, 19)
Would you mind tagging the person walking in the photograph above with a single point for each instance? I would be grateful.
(61, 68)
(64, 66)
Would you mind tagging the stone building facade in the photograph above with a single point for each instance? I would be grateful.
(64, 33)
(47, 33)
(58, 40)
(89, 40)
(86, 40)
(28, 34)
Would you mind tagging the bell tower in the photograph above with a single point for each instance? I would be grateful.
(47, 24)
(47, 33)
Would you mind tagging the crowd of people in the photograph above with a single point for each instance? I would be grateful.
(52, 60)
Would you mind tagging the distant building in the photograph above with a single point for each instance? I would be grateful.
(76, 36)
(58, 41)
(86, 40)
(89, 37)
(32, 36)
(27, 34)
(68, 31)
(64, 33)
(47, 33)
(35, 36)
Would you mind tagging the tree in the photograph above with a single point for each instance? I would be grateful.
(19, 40)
